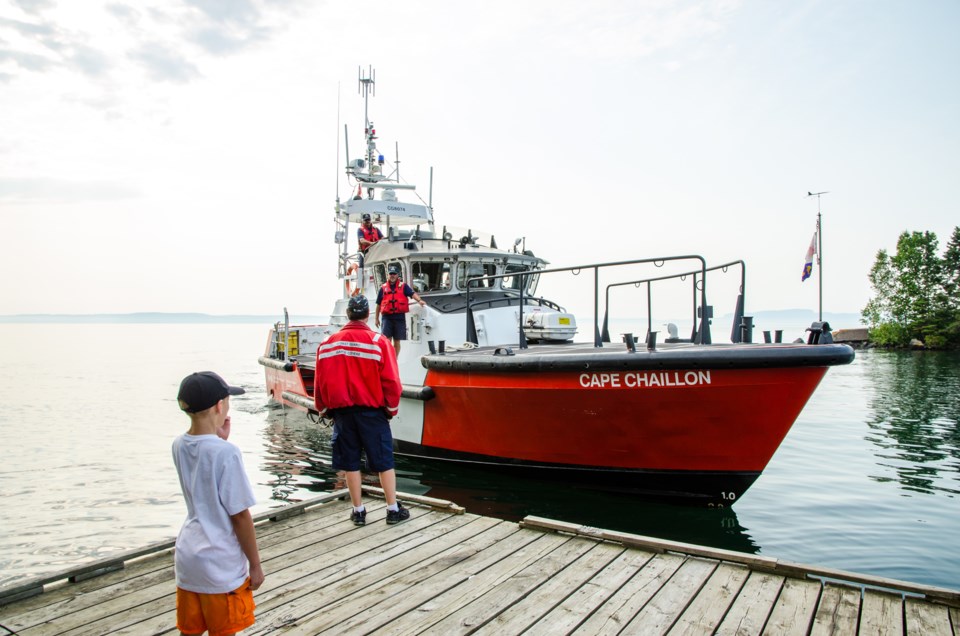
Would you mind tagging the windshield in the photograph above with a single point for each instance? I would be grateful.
(466, 271)
(514, 282)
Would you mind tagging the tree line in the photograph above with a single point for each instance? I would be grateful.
(916, 293)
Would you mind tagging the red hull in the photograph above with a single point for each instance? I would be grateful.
(733, 423)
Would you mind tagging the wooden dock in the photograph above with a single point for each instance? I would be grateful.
(447, 572)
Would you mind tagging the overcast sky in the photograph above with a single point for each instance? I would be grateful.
(183, 155)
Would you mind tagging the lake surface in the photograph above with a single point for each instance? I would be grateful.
(867, 480)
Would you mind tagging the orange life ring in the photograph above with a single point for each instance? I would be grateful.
(351, 291)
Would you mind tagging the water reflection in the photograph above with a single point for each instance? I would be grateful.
(914, 418)
(297, 456)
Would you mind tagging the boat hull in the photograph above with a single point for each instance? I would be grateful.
(687, 424)
(704, 434)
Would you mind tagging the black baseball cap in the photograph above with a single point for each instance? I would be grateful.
(358, 307)
(365, 216)
(201, 390)
(393, 269)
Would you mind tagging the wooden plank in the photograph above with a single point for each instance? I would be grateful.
(288, 598)
(442, 572)
(673, 598)
(928, 619)
(319, 589)
(467, 618)
(431, 502)
(881, 613)
(113, 614)
(704, 614)
(460, 581)
(619, 609)
(753, 605)
(117, 561)
(389, 599)
(531, 608)
(950, 597)
(326, 602)
(46, 617)
(62, 597)
(574, 609)
(12, 592)
(955, 620)
(650, 543)
(452, 599)
(794, 609)
(838, 610)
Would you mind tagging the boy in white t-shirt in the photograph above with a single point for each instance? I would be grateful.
(217, 562)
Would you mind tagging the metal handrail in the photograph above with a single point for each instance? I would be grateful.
(596, 267)
(606, 310)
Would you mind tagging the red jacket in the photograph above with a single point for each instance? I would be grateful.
(357, 366)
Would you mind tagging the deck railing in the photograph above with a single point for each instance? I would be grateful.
(596, 267)
(736, 333)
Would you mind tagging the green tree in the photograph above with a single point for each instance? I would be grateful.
(916, 292)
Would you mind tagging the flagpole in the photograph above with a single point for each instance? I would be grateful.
(819, 254)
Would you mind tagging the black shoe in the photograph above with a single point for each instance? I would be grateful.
(359, 518)
(398, 515)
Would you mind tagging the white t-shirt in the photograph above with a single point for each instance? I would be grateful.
(208, 558)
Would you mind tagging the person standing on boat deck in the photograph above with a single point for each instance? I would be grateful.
(216, 562)
(367, 235)
(393, 304)
(357, 382)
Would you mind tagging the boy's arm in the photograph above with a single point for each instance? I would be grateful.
(247, 535)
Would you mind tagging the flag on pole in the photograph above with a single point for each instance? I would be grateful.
(808, 261)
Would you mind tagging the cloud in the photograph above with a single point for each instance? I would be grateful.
(167, 41)
(27, 61)
(164, 64)
(34, 6)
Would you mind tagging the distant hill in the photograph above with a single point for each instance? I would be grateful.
(770, 319)
(156, 318)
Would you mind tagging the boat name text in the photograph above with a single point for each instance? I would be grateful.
(396, 208)
(642, 380)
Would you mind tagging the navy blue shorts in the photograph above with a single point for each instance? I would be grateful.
(366, 429)
(394, 326)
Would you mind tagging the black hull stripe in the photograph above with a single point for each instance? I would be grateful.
(719, 488)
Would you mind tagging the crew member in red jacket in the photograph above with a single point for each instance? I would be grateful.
(367, 235)
(358, 383)
(393, 304)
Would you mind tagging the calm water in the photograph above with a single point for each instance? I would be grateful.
(867, 480)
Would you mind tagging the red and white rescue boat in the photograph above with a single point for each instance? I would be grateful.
(493, 378)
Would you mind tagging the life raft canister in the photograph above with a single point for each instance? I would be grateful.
(394, 300)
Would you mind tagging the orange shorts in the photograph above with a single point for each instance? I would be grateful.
(217, 613)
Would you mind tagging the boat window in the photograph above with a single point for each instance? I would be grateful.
(514, 282)
(380, 274)
(466, 271)
(430, 277)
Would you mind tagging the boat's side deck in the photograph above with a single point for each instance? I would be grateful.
(577, 356)
(583, 356)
